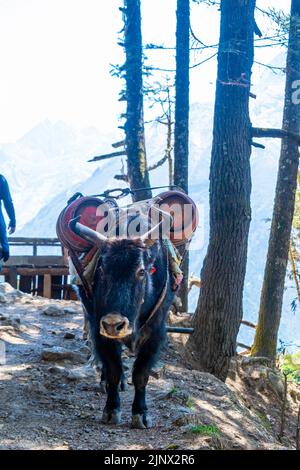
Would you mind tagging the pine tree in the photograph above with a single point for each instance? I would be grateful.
(265, 342)
(181, 144)
(219, 311)
(138, 175)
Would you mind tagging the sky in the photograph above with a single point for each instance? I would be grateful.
(55, 59)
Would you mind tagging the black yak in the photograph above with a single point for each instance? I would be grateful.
(132, 288)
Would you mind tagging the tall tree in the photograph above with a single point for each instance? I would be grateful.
(265, 342)
(219, 310)
(182, 105)
(138, 176)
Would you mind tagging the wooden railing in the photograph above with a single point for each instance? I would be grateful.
(36, 273)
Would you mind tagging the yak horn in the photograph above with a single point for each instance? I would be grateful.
(87, 233)
(147, 237)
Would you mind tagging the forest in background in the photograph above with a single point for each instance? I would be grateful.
(219, 312)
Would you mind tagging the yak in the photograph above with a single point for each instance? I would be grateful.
(131, 294)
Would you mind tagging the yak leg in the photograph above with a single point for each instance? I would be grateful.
(112, 364)
(85, 333)
(146, 358)
(103, 381)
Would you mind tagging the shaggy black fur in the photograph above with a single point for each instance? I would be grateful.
(117, 288)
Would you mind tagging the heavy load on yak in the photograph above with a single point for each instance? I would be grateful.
(127, 270)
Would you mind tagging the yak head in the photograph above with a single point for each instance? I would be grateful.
(122, 280)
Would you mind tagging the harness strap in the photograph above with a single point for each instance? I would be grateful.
(174, 263)
(79, 269)
(89, 256)
(145, 330)
(159, 301)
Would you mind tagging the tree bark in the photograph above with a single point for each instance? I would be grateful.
(181, 145)
(181, 132)
(138, 175)
(219, 312)
(265, 343)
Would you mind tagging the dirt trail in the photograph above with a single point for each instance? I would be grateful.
(50, 398)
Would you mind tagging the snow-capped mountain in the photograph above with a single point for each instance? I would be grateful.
(48, 165)
(47, 160)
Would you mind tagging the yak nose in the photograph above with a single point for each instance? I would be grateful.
(113, 328)
(114, 325)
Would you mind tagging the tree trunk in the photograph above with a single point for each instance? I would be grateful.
(181, 146)
(265, 342)
(219, 311)
(134, 127)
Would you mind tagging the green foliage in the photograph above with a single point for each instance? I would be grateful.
(173, 391)
(291, 367)
(172, 447)
(296, 220)
(293, 273)
(183, 397)
(190, 403)
(206, 430)
(264, 420)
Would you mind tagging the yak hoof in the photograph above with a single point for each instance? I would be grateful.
(103, 387)
(141, 421)
(111, 417)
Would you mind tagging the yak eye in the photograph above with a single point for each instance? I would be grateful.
(141, 274)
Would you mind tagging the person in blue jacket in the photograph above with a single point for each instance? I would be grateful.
(5, 197)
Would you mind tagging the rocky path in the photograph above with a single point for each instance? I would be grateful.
(50, 398)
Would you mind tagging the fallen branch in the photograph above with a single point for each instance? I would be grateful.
(177, 329)
(190, 331)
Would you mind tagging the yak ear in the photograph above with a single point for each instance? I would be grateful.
(87, 233)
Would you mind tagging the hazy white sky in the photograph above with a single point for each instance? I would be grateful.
(55, 58)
